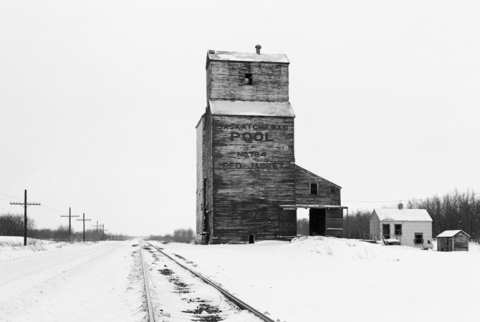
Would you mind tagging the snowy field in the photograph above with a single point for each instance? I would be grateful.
(47, 282)
(329, 279)
(309, 279)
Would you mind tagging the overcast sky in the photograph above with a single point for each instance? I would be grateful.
(99, 100)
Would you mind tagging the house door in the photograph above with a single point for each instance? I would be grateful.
(449, 245)
(386, 231)
(317, 222)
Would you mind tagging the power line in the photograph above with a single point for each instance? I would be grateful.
(84, 220)
(425, 175)
(370, 200)
(70, 223)
(25, 204)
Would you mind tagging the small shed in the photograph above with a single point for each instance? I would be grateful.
(410, 227)
(452, 241)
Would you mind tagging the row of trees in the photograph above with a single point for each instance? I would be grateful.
(355, 225)
(179, 236)
(13, 225)
(455, 210)
(62, 234)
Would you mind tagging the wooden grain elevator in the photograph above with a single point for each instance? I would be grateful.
(248, 185)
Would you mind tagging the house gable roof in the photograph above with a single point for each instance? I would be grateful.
(402, 215)
(452, 233)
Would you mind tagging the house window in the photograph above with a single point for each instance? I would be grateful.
(332, 189)
(248, 79)
(313, 188)
(398, 230)
(418, 238)
(386, 231)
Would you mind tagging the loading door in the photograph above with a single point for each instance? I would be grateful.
(317, 222)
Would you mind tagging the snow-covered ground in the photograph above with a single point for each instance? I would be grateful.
(330, 279)
(12, 247)
(180, 296)
(309, 279)
(68, 282)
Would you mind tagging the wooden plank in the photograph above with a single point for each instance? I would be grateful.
(334, 222)
(253, 173)
(227, 81)
(325, 194)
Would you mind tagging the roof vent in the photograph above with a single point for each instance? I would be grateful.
(258, 47)
(400, 206)
(211, 51)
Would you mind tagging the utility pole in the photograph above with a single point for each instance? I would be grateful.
(25, 204)
(84, 220)
(103, 230)
(96, 229)
(70, 223)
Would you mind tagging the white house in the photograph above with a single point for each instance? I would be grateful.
(410, 227)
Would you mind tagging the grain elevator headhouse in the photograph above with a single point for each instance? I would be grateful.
(248, 185)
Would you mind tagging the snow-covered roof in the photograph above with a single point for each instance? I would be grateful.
(451, 233)
(220, 107)
(402, 215)
(251, 57)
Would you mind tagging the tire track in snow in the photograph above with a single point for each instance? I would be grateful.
(32, 281)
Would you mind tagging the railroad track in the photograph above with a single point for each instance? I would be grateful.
(171, 283)
(151, 315)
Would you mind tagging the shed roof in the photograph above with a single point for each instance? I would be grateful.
(402, 215)
(299, 168)
(452, 233)
(249, 57)
(257, 108)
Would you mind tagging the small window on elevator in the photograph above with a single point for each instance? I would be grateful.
(313, 188)
(248, 79)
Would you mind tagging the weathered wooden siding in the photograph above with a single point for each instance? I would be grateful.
(334, 222)
(199, 192)
(253, 174)
(444, 244)
(460, 242)
(226, 81)
(375, 227)
(208, 174)
(328, 193)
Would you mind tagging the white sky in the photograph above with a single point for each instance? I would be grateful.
(99, 100)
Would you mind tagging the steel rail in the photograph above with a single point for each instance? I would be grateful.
(242, 305)
(151, 316)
